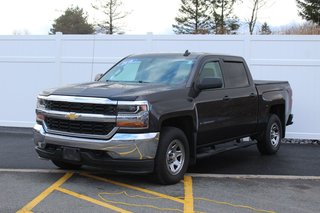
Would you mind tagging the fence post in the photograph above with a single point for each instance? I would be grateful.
(58, 56)
(93, 56)
(149, 41)
(247, 48)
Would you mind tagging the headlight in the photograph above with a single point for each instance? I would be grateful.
(40, 105)
(133, 114)
(132, 109)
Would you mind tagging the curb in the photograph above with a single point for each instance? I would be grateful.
(300, 141)
(16, 130)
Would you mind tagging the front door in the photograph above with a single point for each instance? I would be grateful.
(212, 108)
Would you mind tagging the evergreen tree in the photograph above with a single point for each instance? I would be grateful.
(265, 29)
(73, 21)
(309, 10)
(193, 18)
(232, 25)
(111, 9)
(222, 15)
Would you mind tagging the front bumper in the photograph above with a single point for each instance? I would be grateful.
(122, 147)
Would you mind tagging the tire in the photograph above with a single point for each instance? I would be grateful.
(65, 165)
(172, 157)
(270, 140)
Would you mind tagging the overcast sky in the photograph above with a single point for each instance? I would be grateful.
(157, 16)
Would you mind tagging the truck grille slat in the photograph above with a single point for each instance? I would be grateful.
(82, 127)
(81, 107)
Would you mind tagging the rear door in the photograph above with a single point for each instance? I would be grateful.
(242, 99)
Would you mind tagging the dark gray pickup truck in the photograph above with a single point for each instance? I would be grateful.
(158, 113)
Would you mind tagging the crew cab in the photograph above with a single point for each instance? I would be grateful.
(159, 113)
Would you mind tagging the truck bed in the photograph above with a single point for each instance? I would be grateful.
(264, 82)
(280, 89)
(268, 86)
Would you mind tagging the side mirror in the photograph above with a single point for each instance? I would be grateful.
(210, 83)
(98, 76)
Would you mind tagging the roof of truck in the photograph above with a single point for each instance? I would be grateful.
(190, 55)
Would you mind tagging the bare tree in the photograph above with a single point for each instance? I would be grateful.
(21, 32)
(255, 6)
(306, 28)
(111, 9)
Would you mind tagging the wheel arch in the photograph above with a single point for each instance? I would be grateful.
(279, 110)
(187, 124)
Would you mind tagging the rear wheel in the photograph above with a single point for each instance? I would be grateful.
(65, 165)
(270, 140)
(172, 156)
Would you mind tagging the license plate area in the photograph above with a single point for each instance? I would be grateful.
(72, 154)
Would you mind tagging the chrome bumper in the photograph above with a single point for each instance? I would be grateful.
(122, 146)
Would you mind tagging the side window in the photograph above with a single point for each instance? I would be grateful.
(211, 70)
(235, 74)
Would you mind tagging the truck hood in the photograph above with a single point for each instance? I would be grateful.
(111, 90)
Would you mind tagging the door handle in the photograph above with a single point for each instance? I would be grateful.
(226, 98)
(252, 94)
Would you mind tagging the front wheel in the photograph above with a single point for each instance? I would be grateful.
(270, 140)
(172, 156)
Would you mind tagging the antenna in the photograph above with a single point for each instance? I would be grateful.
(186, 53)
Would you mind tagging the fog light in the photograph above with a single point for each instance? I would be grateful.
(40, 117)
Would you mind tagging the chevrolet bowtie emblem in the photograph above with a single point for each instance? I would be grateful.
(72, 116)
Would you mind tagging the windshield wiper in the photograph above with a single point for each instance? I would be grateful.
(140, 82)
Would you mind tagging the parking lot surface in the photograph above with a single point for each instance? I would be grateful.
(82, 192)
(237, 181)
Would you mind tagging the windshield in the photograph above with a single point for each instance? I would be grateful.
(152, 69)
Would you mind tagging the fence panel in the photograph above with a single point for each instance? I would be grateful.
(29, 64)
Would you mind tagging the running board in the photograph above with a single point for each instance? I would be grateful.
(207, 152)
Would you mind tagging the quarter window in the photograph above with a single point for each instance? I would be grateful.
(235, 75)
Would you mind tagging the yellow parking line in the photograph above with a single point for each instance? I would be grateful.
(234, 205)
(147, 191)
(188, 195)
(124, 193)
(45, 193)
(91, 200)
(24, 211)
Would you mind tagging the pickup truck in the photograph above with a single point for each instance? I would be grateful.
(159, 113)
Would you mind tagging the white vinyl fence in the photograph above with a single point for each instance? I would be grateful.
(29, 64)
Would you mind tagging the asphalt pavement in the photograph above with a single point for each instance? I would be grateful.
(236, 181)
(17, 152)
